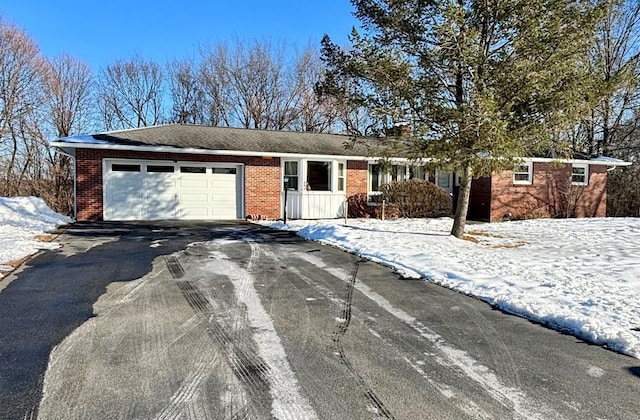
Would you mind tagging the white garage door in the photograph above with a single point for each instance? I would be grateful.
(153, 190)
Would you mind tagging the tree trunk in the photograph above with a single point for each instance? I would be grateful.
(463, 203)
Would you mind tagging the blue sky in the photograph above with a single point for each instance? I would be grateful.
(100, 32)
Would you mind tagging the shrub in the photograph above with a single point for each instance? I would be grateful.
(360, 206)
(417, 198)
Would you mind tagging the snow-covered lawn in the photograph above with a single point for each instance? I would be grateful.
(22, 219)
(576, 275)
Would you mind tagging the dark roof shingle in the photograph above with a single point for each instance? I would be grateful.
(236, 139)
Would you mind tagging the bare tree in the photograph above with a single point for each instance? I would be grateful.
(212, 74)
(186, 93)
(613, 128)
(68, 89)
(130, 94)
(313, 113)
(260, 85)
(616, 59)
(21, 72)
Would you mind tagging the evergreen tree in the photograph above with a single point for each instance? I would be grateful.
(482, 83)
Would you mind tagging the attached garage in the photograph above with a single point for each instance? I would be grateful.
(154, 190)
(182, 171)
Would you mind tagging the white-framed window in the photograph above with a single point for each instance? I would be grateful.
(318, 175)
(291, 174)
(523, 174)
(376, 177)
(315, 175)
(443, 179)
(579, 174)
(341, 176)
(418, 172)
(398, 173)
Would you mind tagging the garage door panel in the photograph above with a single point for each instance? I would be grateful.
(126, 208)
(164, 206)
(193, 182)
(195, 213)
(194, 198)
(225, 187)
(160, 184)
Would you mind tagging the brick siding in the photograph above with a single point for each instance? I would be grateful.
(262, 184)
(357, 174)
(262, 179)
(550, 195)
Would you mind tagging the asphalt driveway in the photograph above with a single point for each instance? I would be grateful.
(232, 321)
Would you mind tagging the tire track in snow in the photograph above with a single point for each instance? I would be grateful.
(203, 308)
(343, 325)
(183, 398)
(451, 357)
(265, 376)
(273, 253)
(500, 352)
(272, 367)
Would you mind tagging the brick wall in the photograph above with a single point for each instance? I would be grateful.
(262, 187)
(262, 179)
(550, 195)
(357, 173)
(89, 184)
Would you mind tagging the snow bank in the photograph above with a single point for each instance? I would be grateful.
(581, 276)
(21, 220)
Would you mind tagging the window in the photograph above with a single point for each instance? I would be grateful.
(160, 168)
(228, 171)
(318, 175)
(193, 170)
(418, 172)
(375, 177)
(291, 175)
(443, 180)
(340, 176)
(398, 173)
(523, 174)
(579, 174)
(115, 167)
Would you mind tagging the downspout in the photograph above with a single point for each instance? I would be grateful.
(75, 202)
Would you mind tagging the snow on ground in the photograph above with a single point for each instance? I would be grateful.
(21, 220)
(581, 276)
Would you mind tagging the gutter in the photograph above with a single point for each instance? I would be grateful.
(193, 151)
(582, 161)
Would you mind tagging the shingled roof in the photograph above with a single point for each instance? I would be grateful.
(199, 137)
(204, 139)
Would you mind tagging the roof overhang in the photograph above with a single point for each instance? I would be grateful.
(605, 161)
(66, 146)
(69, 148)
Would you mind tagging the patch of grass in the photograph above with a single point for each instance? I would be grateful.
(14, 264)
(471, 237)
(511, 245)
(46, 238)
(486, 234)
